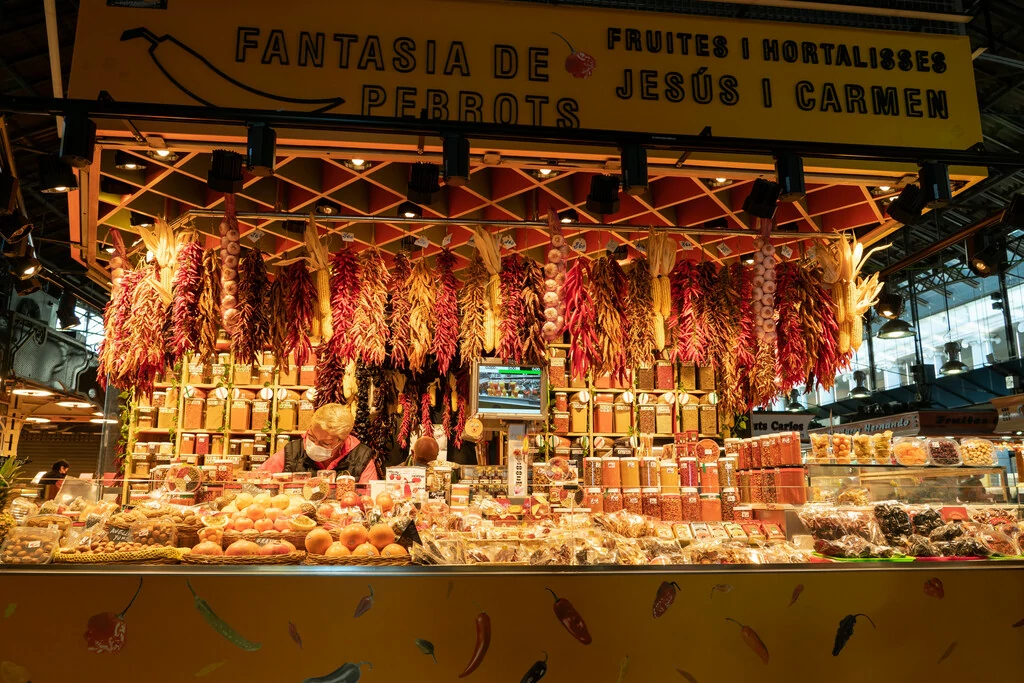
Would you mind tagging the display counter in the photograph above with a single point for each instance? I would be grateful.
(930, 622)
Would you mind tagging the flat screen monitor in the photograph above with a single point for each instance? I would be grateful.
(508, 392)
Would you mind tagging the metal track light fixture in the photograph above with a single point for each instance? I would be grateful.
(79, 141)
(260, 150)
(934, 180)
(789, 170)
(860, 390)
(410, 210)
(55, 176)
(794, 405)
(763, 198)
(67, 319)
(14, 228)
(8, 194)
(455, 159)
(24, 265)
(568, 216)
(953, 364)
(633, 162)
(423, 183)
(907, 207)
(604, 194)
(890, 304)
(125, 161)
(225, 173)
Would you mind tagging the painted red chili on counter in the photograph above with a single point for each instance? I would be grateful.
(571, 619)
(664, 598)
(933, 588)
(483, 641)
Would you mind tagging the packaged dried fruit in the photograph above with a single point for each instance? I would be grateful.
(943, 452)
(155, 532)
(862, 450)
(881, 446)
(819, 448)
(30, 545)
(910, 451)
(978, 452)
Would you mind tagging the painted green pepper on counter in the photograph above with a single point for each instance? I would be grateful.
(537, 671)
(346, 673)
(220, 626)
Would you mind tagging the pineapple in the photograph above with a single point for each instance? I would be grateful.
(9, 472)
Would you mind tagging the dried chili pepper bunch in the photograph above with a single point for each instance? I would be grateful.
(400, 307)
(639, 305)
(143, 353)
(608, 289)
(279, 316)
(361, 426)
(461, 390)
(792, 361)
(690, 285)
(472, 309)
(369, 330)
(409, 408)
(344, 296)
(116, 340)
(330, 377)
(381, 432)
(426, 418)
(531, 334)
(209, 306)
(301, 298)
(821, 331)
(252, 331)
(187, 290)
(723, 318)
(513, 316)
(422, 295)
(581, 322)
(446, 313)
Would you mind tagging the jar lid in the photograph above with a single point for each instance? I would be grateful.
(710, 496)
(674, 495)
(650, 490)
(688, 489)
(669, 463)
(732, 440)
(636, 490)
(592, 491)
(592, 457)
(689, 458)
(728, 489)
(613, 492)
(631, 458)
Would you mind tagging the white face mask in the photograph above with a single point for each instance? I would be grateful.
(316, 452)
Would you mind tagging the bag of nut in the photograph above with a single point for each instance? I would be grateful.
(30, 545)
(155, 532)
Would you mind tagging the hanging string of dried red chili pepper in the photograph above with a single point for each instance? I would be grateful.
(344, 295)
(369, 329)
(581, 321)
(301, 297)
(513, 315)
(446, 309)
(400, 306)
(187, 289)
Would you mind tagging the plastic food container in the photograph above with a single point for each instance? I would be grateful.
(651, 503)
(30, 545)
(592, 472)
(842, 448)
(671, 507)
(743, 455)
(791, 485)
(709, 477)
(977, 452)
(612, 500)
(610, 472)
(688, 472)
(910, 451)
(881, 447)
(755, 453)
(819, 448)
(771, 451)
(669, 476)
(691, 504)
(710, 507)
(632, 501)
(862, 451)
(649, 472)
(729, 501)
(630, 472)
(727, 472)
(944, 452)
(556, 372)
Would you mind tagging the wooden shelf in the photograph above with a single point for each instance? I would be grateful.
(152, 430)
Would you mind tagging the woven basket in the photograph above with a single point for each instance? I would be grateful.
(360, 560)
(188, 535)
(238, 560)
(296, 538)
(148, 556)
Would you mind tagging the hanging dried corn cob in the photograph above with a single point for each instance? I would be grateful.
(320, 267)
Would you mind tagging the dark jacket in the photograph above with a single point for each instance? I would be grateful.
(353, 464)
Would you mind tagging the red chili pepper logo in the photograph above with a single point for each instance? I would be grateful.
(578, 63)
(933, 588)
(106, 631)
(571, 619)
(664, 598)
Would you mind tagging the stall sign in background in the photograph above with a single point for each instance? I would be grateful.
(525, 63)
(771, 423)
(939, 624)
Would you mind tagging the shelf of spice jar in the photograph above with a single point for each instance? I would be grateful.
(152, 430)
(206, 386)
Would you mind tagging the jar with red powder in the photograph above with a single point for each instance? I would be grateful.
(711, 507)
(612, 500)
(651, 503)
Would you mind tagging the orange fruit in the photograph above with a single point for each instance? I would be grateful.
(325, 511)
(282, 524)
(263, 525)
(281, 501)
(243, 524)
(349, 500)
(318, 541)
(254, 512)
(353, 536)
(385, 502)
(366, 550)
(273, 513)
(393, 550)
(337, 549)
(381, 536)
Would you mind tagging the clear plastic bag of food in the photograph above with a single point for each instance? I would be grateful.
(926, 520)
(842, 448)
(59, 522)
(155, 532)
(894, 521)
(782, 552)
(716, 551)
(993, 514)
(943, 452)
(917, 545)
(623, 523)
(30, 545)
(978, 452)
(21, 508)
(910, 451)
(828, 523)
(967, 546)
(997, 542)
(661, 551)
(853, 494)
(948, 532)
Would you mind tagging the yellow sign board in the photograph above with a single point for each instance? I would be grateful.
(527, 64)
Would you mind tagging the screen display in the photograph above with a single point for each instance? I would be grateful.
(509, 390)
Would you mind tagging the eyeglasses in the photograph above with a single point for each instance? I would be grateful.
(323, 444)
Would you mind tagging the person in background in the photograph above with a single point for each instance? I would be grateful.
(54, 478)
(328, 444)
(424, 452)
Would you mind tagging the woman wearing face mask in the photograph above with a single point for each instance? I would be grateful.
(327, 445)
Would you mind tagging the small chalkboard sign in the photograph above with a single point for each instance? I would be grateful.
(118, 534)
(264, 540)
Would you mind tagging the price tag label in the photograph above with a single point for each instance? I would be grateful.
(33, 544)
(612, 245)
(723, 249)
(507, 241)
(143, 533)
(251, 489)
(785, 251)
(348, 237)
(422, 242)
(471, 242)
(446, 241)
(579, 244)
(642, 247)
(255, 236)
(263, 540)
(686, 245)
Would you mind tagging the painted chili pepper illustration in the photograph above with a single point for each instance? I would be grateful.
(9, 612)
(1018, 624)
(947, 653)
(483, 641)
(752, 640)
(346, 673)
(845, 630)
(571, 619)
(687, 675)
(623, 669)
(451, 587)
(537, 671)
(220, 626)
(293, 631)
(106, 631)
(796, 594)
(578, 63)
(426, 647)
(664, 598)
(933, 588)
(720, 588)
(365, 604)
(209, 669)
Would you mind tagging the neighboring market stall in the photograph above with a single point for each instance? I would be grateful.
(582, 355)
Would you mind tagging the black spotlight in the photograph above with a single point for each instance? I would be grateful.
(569, 216)
(717, 224)
(55, 176)
(225, 171)
(604, 194)
(764, 195)
(24, 287)
(25, 265)
(789, 169)
(410, 210)
(260, 150)
(15, 227)
(66, 317)
(79, 141)
(423, 183)
(140, 220)
(634, 169)
(890, 305)
(908, 206)
(456, 159)
(934, 178)
(8, 194)
(325, 207)
(126, 161)
(986, 254)
(1013, 215)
